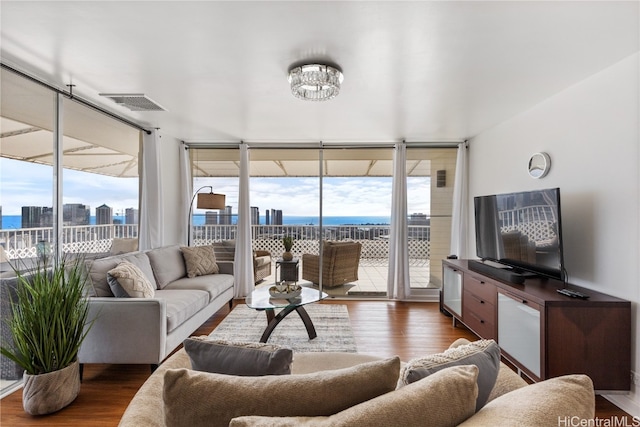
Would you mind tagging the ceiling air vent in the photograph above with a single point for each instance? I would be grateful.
(134, 101)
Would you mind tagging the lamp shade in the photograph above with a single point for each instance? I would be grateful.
(210, 201)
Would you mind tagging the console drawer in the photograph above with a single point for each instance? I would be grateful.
(487, 291)
(483, 327)
(483, 309)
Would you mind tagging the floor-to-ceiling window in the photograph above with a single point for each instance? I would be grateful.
(94, 167)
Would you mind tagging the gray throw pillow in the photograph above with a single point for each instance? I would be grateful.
(243, 359)
(485, 354)
(116, 288)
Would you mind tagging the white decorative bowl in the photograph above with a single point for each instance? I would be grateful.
(286, 295)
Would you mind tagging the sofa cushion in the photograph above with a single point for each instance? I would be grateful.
(116, 288)
(553, 402)
(133, 280)
(200, 398)
(214, 284)
(182, 304)
(168, 264)
(236, 358)
(445, 398)
(485, 354)
(199, 260)
(97, 270)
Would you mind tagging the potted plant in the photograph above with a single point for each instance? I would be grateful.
(48, 317)
(287, 241)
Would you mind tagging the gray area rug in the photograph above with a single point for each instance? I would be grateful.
(330, 320)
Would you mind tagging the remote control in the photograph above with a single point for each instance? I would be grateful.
(572, 294)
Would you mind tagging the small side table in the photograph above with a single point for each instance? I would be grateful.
(288, 270)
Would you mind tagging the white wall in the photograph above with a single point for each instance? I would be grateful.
(591, 132)
(171, 191)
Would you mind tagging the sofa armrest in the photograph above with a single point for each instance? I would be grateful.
(225, 267)
(259, 253)
(125, 330)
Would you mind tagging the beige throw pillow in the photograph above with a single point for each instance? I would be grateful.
(193, 398)
(199, 260)
(132, 280)
(443, 399)
(557, 401)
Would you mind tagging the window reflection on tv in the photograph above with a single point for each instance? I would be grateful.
(522, 230)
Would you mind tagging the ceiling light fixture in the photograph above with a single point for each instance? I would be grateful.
(315, 82)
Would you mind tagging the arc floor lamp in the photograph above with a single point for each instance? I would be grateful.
(208, 200)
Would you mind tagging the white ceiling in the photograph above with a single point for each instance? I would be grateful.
(419, 71)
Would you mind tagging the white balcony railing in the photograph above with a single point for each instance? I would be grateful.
(96, 239)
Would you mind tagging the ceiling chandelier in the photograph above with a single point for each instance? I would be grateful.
(315, 82)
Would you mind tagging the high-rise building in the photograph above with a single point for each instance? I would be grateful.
(267, 218)
(225, 216)
(211, 218)
(31, 216)
(0, 217)
(276, 217)
(131, 216)
(75, 214)
(104, 215)
(255, 215)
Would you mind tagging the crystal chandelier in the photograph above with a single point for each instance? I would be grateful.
(315, 82)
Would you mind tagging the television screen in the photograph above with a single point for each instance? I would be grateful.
(521, 230)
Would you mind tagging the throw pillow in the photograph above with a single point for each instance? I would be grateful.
(204, 399)
(556, 401)
(244, 359)
(446, 398)
(132, 280)
(199, 260)
(485, 354)
(116, 288)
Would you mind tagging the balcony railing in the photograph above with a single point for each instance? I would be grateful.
(96, 239)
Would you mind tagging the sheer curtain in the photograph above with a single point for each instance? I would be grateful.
(398, 284)
(150, 218)
(243, 267)
(459, 216)
(186, 186)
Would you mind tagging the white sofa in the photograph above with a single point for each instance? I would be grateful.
(147, 330)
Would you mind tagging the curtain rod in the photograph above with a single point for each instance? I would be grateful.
(70, 95)
(318, 145)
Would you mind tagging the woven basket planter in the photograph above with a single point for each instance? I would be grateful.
(50, 392)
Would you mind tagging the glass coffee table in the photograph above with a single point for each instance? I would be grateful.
(260, 299)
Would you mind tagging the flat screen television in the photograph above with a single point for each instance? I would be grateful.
(522, 231)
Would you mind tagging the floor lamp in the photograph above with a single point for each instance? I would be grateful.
(208, 200)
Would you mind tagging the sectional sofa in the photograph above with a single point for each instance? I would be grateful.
(145, 330)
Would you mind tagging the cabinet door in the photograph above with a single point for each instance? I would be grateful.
(519, 331)
(452, 291)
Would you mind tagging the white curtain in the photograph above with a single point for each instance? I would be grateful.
(243, 266)
(398, 285)
(459, 216)
(186, 186)
(150, 218)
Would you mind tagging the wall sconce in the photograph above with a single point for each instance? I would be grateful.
(208, 200)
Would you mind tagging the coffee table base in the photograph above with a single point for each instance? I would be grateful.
(273, 320)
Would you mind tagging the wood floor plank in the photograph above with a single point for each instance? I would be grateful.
(381, 328)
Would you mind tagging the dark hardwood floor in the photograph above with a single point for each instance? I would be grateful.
(381, 328)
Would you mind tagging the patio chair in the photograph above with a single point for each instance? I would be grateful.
(226, 251)
(339, 264)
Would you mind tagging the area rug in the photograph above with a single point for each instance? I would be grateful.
(330, 320)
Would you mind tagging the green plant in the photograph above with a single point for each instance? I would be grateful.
(287, 241)
(48, 318)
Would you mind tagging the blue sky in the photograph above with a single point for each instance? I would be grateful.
(28, 184)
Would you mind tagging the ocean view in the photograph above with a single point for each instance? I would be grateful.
(15, 221)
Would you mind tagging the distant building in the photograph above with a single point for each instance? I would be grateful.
(36, 217)
(104, 215)
(211, 218)
(0, 217)
(225, 216)
(276, 217)
(418, 219)
(75, 214)
(255, 215)
(131, 216)
(267, 219)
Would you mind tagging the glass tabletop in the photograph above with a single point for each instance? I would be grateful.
(261, 300)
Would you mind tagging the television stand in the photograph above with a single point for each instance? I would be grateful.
(499, 271)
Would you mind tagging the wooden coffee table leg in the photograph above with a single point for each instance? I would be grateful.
(274, 320)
